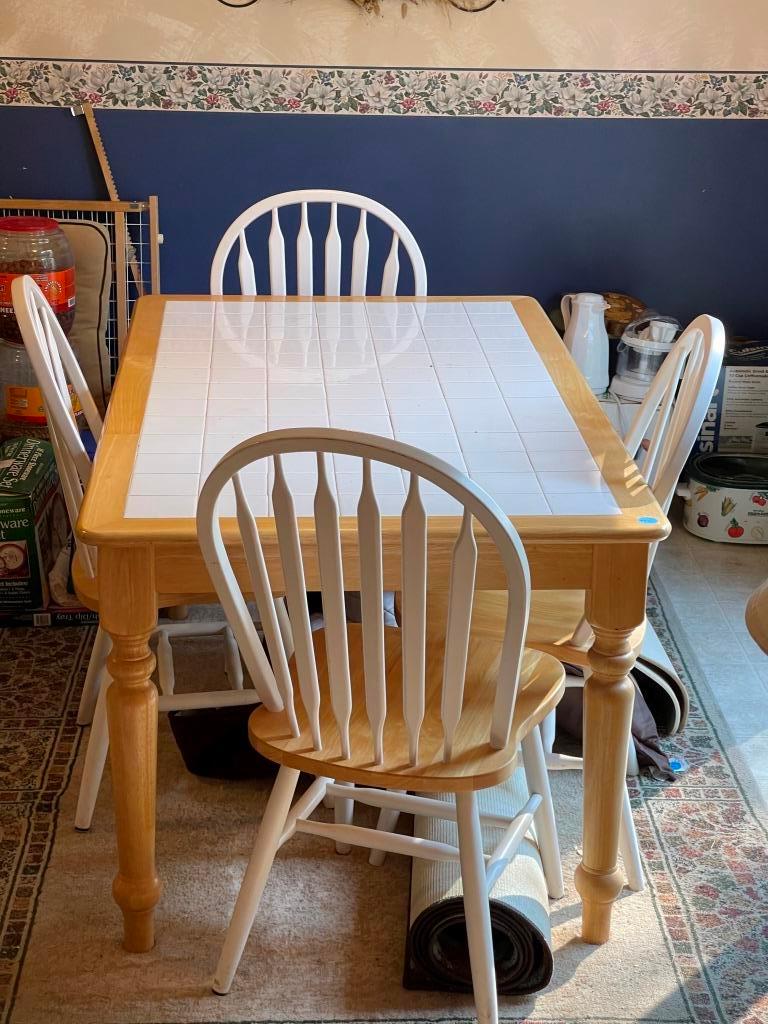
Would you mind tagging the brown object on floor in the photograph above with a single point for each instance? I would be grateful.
(756, 616)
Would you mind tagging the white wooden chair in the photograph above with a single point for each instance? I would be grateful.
(383, 709)
(660, 438)
(236, 232)
(54, 364)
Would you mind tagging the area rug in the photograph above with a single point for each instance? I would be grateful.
(691, 949)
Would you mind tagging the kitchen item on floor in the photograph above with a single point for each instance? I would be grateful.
(622, 310)
(643, 348)
(586, 337)
(437, 958)
(33, 522)
(760, 438)
(737, 418)
(726, 498)
(36, 246)
(756, 616)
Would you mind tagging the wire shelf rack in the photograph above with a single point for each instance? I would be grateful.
(134, 252)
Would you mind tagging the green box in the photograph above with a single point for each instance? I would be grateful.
(33, 522)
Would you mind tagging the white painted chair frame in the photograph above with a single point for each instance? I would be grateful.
(273, 681)
(54, 364)
(678, 398)
(236, 232)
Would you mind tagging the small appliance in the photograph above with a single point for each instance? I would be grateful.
(643, 348)
(586, 337)
(726, 498)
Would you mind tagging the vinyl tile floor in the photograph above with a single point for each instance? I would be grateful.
(708, 585)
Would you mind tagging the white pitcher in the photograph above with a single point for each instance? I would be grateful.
(586, 337)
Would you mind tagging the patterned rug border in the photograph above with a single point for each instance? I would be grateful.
(44, 801)
(431, 92)
(661, 611)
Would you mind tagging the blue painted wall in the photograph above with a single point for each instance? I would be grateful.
(673, 211)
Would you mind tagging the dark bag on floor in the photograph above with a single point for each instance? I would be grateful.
(214, 743)
(645, 732)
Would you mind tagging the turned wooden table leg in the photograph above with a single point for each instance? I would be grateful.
(615, 606)
(128, 612)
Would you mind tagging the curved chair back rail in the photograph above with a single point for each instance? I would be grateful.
(56, 368)
(678, 397)
(236, 233)
(271, 675)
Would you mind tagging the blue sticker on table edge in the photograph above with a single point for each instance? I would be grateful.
(647, 519)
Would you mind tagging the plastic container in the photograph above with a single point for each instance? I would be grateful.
(36, 246)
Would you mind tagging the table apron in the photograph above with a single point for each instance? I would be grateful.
(179, 568)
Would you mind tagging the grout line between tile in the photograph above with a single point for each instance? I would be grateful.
(327, 404)
(381, 381)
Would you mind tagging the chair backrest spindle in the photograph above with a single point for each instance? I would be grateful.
(276, 256)
(360, 251)
(334, 611)
(257, 571)
(460, 600)
(414, 605)
(245, 267)
(391, 268)
(372, 609)
(295, 592)
(333, 255)
(304, 268)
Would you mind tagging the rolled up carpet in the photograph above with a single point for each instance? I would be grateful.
(437, 957)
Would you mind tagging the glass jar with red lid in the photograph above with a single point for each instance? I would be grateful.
(36, 246)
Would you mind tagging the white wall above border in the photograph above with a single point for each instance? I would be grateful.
(675, 35)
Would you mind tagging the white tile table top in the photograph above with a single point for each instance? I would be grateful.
(461, 380)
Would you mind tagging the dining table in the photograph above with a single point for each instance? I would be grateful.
(483, 382)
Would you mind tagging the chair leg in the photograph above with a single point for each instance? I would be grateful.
(343, 814)
(629, 847)
(387, 822)
(548, 726)
(476, 908)
(255, 879)
(537, 778)
(93, 677)
(95, 759)
(233, 666)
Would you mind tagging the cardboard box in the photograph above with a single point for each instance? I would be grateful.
(34, 524)
(737, 419)
(53, 615)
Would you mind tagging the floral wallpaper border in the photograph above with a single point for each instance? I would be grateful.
(317, 90)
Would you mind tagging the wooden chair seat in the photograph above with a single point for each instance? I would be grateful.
(554, 619)
(474, 765)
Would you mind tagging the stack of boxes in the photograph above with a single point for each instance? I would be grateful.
(35, 586)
